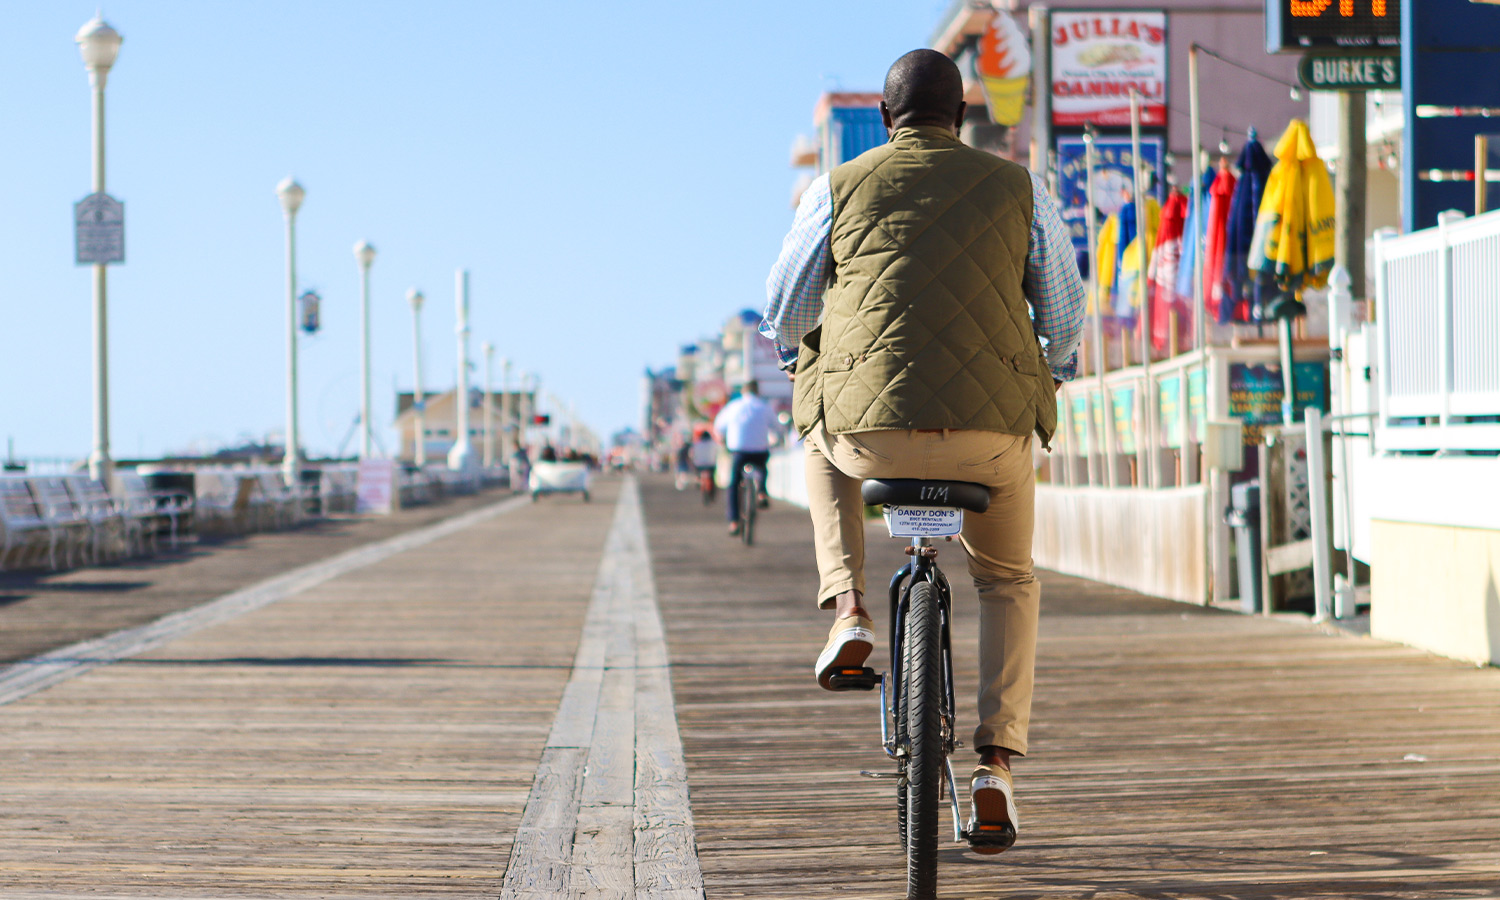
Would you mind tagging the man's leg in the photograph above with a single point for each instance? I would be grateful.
(838, 517)
(999, 545)
(759, 462)
(736, 467)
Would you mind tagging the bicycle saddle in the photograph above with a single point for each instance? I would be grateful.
(916, 492)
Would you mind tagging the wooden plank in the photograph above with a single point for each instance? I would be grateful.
(375, 735)
(39, 673)
(1285, 558)
(610, 775)
(630, 804)
(1175, 750)
(602, 864)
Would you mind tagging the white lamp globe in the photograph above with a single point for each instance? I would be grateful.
(365, 253)
(290, 193)
(98, 44)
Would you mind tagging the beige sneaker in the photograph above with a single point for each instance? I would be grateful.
(849, 645)
(993, 823)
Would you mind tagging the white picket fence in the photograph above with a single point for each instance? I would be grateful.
(1437, 294)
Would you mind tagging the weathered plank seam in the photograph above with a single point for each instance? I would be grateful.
(633, 828)
(29, 676)
(665, 845)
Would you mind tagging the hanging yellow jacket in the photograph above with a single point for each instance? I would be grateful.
(1294, 230)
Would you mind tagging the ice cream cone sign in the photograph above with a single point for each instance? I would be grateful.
(1004, 66)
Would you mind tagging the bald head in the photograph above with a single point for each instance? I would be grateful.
(923, 88)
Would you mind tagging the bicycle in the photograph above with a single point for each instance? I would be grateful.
(750, 494)
(706, 486)
(917, 710)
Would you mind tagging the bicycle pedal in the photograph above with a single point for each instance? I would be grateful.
(851, 678)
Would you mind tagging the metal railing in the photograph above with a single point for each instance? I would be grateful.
(1437, 294)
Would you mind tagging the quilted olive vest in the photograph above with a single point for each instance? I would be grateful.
(925, 324)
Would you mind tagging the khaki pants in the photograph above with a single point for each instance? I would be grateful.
(998, 542)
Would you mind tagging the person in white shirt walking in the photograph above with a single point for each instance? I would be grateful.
(744, 426)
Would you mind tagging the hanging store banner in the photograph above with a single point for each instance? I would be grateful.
(1098, 57)
(1003, 65)
(1112, 165)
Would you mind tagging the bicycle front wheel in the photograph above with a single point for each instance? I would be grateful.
(923, 679)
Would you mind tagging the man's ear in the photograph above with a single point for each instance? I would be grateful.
(958, 123)
(885, 116)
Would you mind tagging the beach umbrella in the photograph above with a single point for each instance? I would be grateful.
(1254, 166)
(1214, 288)
(1104, 277)
(1127, 290)
(1195, 227)
(1165, 260)
(1292, 247)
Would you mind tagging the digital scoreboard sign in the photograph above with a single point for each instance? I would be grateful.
(1328, 24)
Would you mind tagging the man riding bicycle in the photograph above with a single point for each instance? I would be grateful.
(926, 303)
(744, 426)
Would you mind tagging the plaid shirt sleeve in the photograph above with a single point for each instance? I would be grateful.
(794, 290)
(1053, 285)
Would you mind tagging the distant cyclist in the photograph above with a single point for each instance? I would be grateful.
(704, 456)
(744, 426)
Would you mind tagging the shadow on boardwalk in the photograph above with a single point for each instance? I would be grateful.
(1177, 752)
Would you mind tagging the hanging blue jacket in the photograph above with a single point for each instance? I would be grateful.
(1244, 206)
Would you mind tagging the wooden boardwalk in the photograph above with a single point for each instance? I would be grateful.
(391, 730)
(1177, 752)
(376, 735)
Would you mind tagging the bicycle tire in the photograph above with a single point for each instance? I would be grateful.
(924, 728)
(900, 732)
(747, 509)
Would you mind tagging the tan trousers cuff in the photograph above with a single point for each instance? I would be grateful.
(1005, 737)
(826, 600)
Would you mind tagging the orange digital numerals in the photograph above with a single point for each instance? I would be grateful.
(1311, 9)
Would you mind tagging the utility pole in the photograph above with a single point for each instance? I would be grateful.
(1041, 87)
(1349, 190)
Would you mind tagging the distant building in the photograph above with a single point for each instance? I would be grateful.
(440, 421)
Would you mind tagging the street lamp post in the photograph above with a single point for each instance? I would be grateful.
(290, 193)
(99, 44)
(460, 457)
(418, 397)
(489, 413)
(507, 411)
(365, 254)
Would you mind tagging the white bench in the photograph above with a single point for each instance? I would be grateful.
(222, 499)
(67, 525)
(154, 510)
(110, 532)
(24, 531)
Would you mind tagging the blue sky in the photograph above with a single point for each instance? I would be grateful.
(614, 176)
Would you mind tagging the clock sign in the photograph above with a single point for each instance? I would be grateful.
(1328, 24)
